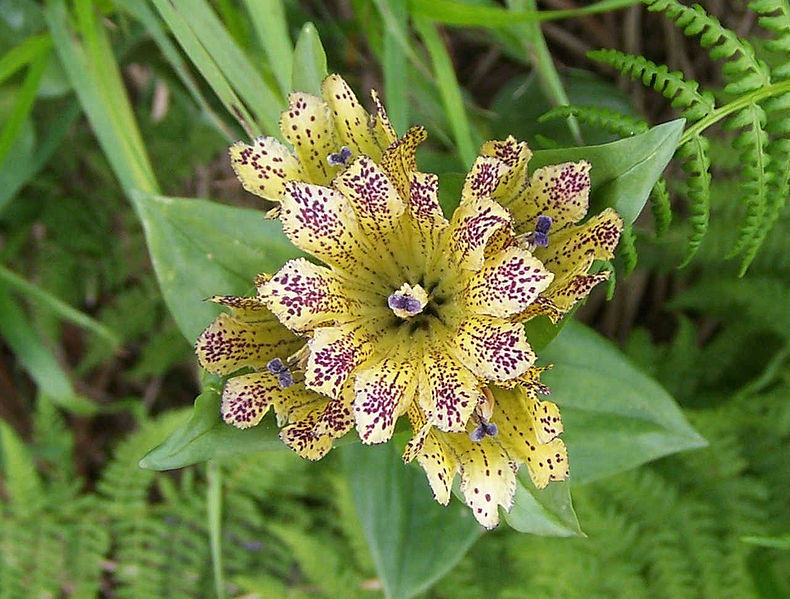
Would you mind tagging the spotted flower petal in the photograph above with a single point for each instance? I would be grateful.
(507, 284)
(247, 398)
(248, 337)
(265, 166)
(304, 295)
(493, 349)
(382, 394)
(528, 430)
(471, 227)
(353, 124)
(449, 392)
(335, 352)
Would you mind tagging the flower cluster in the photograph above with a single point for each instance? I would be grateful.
(405, 312)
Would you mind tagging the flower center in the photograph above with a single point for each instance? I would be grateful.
(408, 301)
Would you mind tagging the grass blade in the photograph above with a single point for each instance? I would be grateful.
(394, 63)
(268, 19)
(449, 90)
(25, 53)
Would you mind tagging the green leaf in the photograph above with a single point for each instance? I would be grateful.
(205, 436)
(200, 249)
(623, 172)
(36, 358)
(616, 418)
(414, 540)
(309, 62)
(547, 512)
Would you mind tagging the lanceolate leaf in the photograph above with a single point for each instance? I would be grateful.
(623, 172)
(615, 417)
(205, 436)
(200, 249)
(414, 540)
(547, 512)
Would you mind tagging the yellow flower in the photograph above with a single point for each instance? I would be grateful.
(249, 343)
(546, 209)
(410, 309)
(326, 133)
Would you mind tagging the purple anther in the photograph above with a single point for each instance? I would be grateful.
(544, 224)
(491, 429)
(478, 434)
(285, 379)
(396, 301)
(412, 306)
(540, 239)
(275, 366)
(341, 158)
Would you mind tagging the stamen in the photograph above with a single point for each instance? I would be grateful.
(408, 301)
(341, 158)
(477, 434)
(276, 366)
(492, 430)
(540, 236)
(285, 379)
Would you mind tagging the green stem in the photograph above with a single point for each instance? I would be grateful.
(733, 107)
(214, 504)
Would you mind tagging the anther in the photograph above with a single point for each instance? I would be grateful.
(276, 366)
(285, 379)
(341, 158)
(407, 301)
(541, 235)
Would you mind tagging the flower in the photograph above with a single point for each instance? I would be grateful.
(546, 209)
(325, 133)
(409, 308)
(247, 344)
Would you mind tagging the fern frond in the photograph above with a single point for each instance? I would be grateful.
(743, 70)
(597, 116)
(775, 16)
(697, 166)
(627, 249)
(751, 143)
(661, 207)
(672, 85)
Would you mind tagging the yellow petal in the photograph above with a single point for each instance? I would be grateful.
(515, 155)
(308, 125)
(471, 227)
(352, 122)
(229, 343)
(302, 438)
(517, 433)
(488, 476)
(383, 132)
(320, 221)
(337, 417)
(335, 352)
(399, 159)
(440, 465)
(575, 245)
(382, 394)
(448, 391)
(560, 191)
(546, 420)
(265, 166)
(493, 348)
(508, 283)
(305, 296)
(573, 289)
(483, 178)
(247, 398)
(375, 200)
